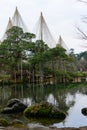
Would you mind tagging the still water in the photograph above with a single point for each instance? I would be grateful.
(69, 99)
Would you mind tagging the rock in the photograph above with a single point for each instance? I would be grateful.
(84, 111)
(17, 123)
(14, 106)
(2, 128)
(37, 126)
(15, 128)
(3, 122)
(12, 102)
(44, 110)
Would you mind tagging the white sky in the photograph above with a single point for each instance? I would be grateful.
(61, 17)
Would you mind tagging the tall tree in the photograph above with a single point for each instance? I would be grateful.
(15, 47)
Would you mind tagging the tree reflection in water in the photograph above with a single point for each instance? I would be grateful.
(63, 97)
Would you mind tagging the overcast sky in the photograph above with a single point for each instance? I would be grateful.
(61, 17)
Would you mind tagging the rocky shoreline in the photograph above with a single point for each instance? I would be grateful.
(15, 106)
(44, 128)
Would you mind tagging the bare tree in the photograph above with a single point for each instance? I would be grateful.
(82, 33)
(84, 1)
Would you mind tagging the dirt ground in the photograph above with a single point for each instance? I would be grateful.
(45, 128)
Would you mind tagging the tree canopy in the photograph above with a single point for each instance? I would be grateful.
(19, 52)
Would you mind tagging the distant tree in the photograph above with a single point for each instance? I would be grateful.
(72, 52)
(81, 59)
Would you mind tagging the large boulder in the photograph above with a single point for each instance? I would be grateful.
(14, 106)
(44, 110)
(13, 101)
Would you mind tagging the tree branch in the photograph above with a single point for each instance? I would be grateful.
(82, 34)
(83, 1)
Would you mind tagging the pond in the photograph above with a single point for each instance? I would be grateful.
(68, 98)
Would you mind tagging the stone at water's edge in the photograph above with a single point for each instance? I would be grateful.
(12, 101)
(4, 122)
(69, 128)
(44, 110)
(14, 106)
(84, 111)
(36, 126)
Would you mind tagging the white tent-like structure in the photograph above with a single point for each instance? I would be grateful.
(15, 21)
(62, 44)
(9, 25)
(18, 21)
(42, 32)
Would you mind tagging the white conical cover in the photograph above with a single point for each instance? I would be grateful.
(18, 21)
(9, 25)
(62, 44)
(43, 33)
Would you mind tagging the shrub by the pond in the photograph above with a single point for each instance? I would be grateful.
(44, 110)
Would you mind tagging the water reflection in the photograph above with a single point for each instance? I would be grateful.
(70, 100)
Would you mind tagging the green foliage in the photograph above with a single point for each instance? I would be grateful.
(48, 55)
(76, 74)
(82, 54)
(14, 47)
(18, 49)
(44, 110)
